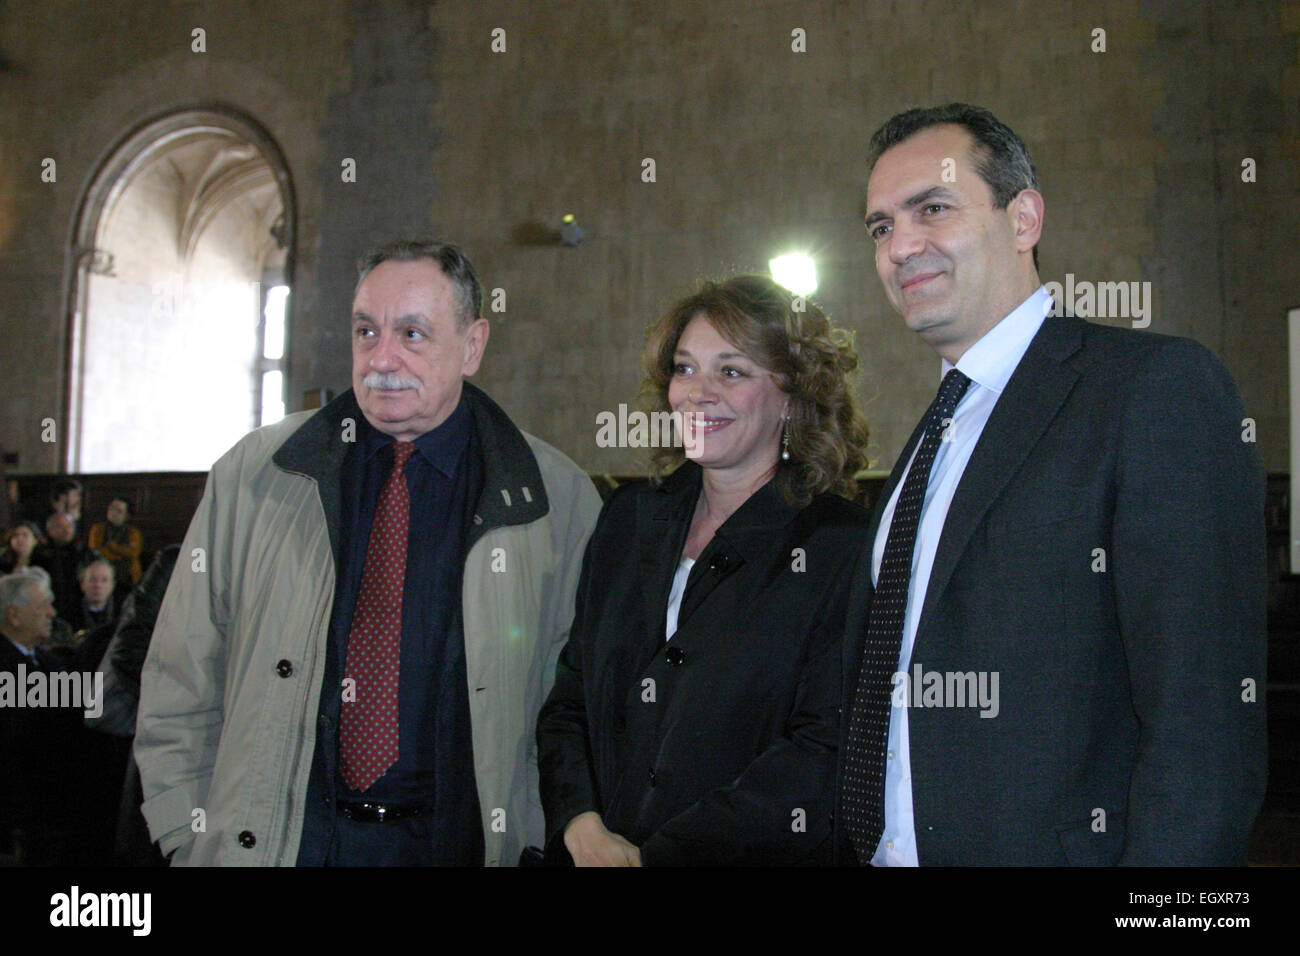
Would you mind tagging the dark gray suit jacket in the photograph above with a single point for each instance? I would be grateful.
(1130, 726)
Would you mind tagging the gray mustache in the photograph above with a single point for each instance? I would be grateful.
(388, 381)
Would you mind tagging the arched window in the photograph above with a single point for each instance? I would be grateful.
(180, 298)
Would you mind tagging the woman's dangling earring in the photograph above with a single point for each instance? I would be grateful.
(785, 440)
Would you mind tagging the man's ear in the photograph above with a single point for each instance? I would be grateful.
(475, 339)
(1025, 214)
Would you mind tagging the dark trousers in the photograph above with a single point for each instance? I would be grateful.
(331, 839)
(401, 843)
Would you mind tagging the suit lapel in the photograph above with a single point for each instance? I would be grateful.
(661, 529)
(1032, 398)
(756, 532)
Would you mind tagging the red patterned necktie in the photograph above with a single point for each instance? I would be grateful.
(368, 722)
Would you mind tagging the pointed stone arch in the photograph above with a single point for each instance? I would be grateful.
(181, 194)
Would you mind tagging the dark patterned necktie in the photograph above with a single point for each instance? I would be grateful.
(864, 751)
(368, 723)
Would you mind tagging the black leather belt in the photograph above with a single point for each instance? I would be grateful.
(383, 812)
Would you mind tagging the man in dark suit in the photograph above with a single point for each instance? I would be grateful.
(41, 744)
(1056, 649)
(101, 597)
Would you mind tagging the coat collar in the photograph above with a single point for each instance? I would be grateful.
(317, 449)
(661, 529)
(756, 527)
(513, 492)
(752, 523)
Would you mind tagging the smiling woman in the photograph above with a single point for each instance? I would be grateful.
(753, 325)
(695, 712)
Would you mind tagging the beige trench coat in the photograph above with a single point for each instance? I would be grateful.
(231, 686)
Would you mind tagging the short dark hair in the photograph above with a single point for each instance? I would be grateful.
(455, 266)
(130, 505)
(31, 526)
(1001, 158)
(63, 486)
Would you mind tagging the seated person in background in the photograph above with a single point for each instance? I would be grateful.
(42, 747)
(121, 662)
(695, 711)
(20, 544)
(65, 499)
(61, 642)
(119, 542)
(99, 602)
(63, 558)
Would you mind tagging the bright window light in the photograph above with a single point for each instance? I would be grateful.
(797, 272)
(273, 343)
(272, 397)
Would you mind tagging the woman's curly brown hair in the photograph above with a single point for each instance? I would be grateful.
(810, 361)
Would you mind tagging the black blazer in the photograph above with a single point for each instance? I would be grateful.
(42, 757)
(1104, 553)
(719, 745)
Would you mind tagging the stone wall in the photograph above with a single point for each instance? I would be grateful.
(757, 148)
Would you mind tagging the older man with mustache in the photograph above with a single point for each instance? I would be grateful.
(349, 662)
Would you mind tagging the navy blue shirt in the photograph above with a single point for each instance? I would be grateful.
(435, 761)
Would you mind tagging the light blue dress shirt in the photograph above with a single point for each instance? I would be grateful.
(988, 364)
